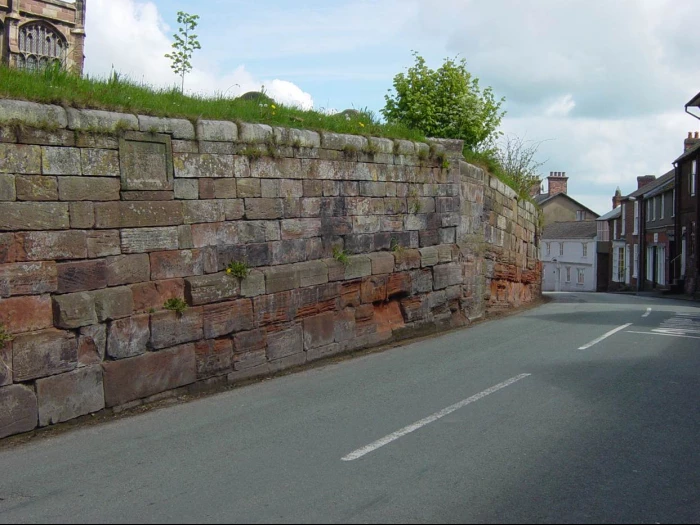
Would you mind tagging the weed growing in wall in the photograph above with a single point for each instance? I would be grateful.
(238, 269)
(175, 305)
(341, 256)
(5, 336)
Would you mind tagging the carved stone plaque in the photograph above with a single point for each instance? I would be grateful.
(146, 162)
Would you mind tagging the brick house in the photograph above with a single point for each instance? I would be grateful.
(557, 205)
(686, 263)
(37, 33)
(604, 246)
(658, 215)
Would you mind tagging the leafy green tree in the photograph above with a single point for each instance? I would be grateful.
(447, 103)
(185, 45)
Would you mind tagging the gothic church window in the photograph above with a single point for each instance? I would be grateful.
(40, 46)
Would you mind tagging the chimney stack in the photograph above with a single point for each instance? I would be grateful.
(617, 199)
(691, 141)
(536, 188)
(644, 181)
(558, 183)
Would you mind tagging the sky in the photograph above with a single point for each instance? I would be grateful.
(600, 86)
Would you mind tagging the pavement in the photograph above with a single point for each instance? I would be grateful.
(584, 410)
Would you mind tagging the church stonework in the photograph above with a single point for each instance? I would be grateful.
(35, 34)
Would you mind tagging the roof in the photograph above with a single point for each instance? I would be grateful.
(614, 214)
(688, 153)
(661, 185)
(695, 102)
(651, 186)
(571, 230)
(543, 199)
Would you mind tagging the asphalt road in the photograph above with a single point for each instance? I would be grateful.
(510, 421)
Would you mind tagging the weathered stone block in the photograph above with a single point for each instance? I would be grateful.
(114, 303)
(144, 240)
(20, 159)
(43, 246)
(149, 374)
(446, 253)
(282, 278)
(288, 252)
(18, 410)
(286, 363)
(399, 285)
(88, 189)
(415, 309)
(213, 357)
(446, 275)
(357, 244)
(28, 278)
(249, 188)
(128, 269)
(187, 189)
(10, 248)
(203, 211)
(382, 263)
(422, 281)
(194, 165)
(128, 337)
(358, 266)
(35, 188)
(251, 361)
(256, 209)
(68, 396)
(174, 264)
(448, 235)
(312, 273)
(155, 294)
(429, 256)
(6, 363)
(273, 309)
(26, 314)
(374, 289)
(407, 260)
(208, 289)
(254, 284)
(300, 228)
(33, 114)
(368, 224)
(109, 215)
(171, 329)
(81, 276)
(319, 331)
(74, 310)
(225, 189)
(178, 128)
(25, 216)
(92, 345)
(253, 341)
(217, 131)
(7, 188)
(255, 133)
(429, 238)
(60, 161)
(42, 354)
(90, 119)
(82, 216)
(227, 318)
(388, 317)
(285, 343)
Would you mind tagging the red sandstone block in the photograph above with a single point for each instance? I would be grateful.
(319, 331)
(149, 374)
(48, 246)
(388, 317)
(173, 264)
(28, 278)
(415, 308)
(68, 396)
(399, 284)
(26, 314)
(407, 260)
(227, 318)
(155, 294)
(252, 341)
(350, 294)
(374, 289)
(344, 326)
(171, 329)
(82, 276)
(9, 248)
(6, 364)
(42, 354)
(275, 308)
(213, 357)
(18, 410)
(285, 343)
(250, 360)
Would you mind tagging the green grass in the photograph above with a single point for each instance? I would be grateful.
(491, 165)
(5, 336)
(124, 95)
(175, 305)
(341, 256)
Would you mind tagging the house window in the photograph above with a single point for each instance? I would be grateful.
(650, 264)
(561, 249)
(549, 249)
(580, 215)
(568, 274)
(624, 220)
(585, 250)
(662, 205)
(628, 273)
(2, 39)
(674, 202)
(40, 46)
(621, 264)
(636, 261)
(693, 177)
(581, 276)
(653, 209)
(636, 218)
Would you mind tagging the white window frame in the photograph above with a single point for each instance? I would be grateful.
(635, 269)
(548, 246)
(561, 249)
(693, 177)
(650, 263)
(628, 273)
(636, 218)
(568, 274)
(663, 207)
(585, 250)
(624, 220)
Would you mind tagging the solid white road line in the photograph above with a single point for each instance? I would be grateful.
(664, 335)
(603, 338)
(431, 419)
(648, 313)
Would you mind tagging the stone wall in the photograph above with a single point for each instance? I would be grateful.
(104, 217)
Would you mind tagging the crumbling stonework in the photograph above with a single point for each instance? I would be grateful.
(99, 228)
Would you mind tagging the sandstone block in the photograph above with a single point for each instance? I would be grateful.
(288, 252)
(114, 303)
(429, 257)
(187, 189)
(388, 317)
(448, 235)
(194, 165)
(149, 374)
(286, 363)
(74, 310)
(170, 328)
(82, 215)
(103, 244)
(407, 260)
(358, 266)
(9, 248)
(213, 357)
(275, 308)
(422, 281)
(33, 114)
(60, 161)
(257, 209)
(144, 240)
(217, 131)
(368, 224)
(128, 337)
(446, 275)
(208, 289)
(255, 133)
(300, 228)
(227, 318)
(68, 396)
(6, 364)
(319, 331)
(429, 238)
(285, 343)
(415, 309)
(203, 211)
(35, 188)
(174, 264)
(44, 246)
(247, 342)
(28, 278)
(254, 284)
(249, 188)
(42, 354)
(281, 278)
(18, 410)
(81, 276)
(26, 314)
(25, 216)
(88, 189)
(7, 188)
(109, 215)
(154, 294)
(179, 128)
(92, 345)
(399, 285)
(373, 289)
(382, 263)
(312, 273)
(128, 269)
(90, 119)
(250, 361)
(20, 159)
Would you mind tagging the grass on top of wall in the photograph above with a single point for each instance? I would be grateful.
(120, 94)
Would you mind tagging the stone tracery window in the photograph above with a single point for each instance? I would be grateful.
(40, 46)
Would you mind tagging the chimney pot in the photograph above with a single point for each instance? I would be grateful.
(690, 134)
(697, 135)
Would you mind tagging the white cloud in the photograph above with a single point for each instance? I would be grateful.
(131, 37)
(561, 107)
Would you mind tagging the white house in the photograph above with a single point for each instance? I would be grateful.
(569, 257)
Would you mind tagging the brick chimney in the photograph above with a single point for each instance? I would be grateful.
(692, 140)
(558, 183)
(617, 199)
(644, 181)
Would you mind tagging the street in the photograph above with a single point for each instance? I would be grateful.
(585, 409)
